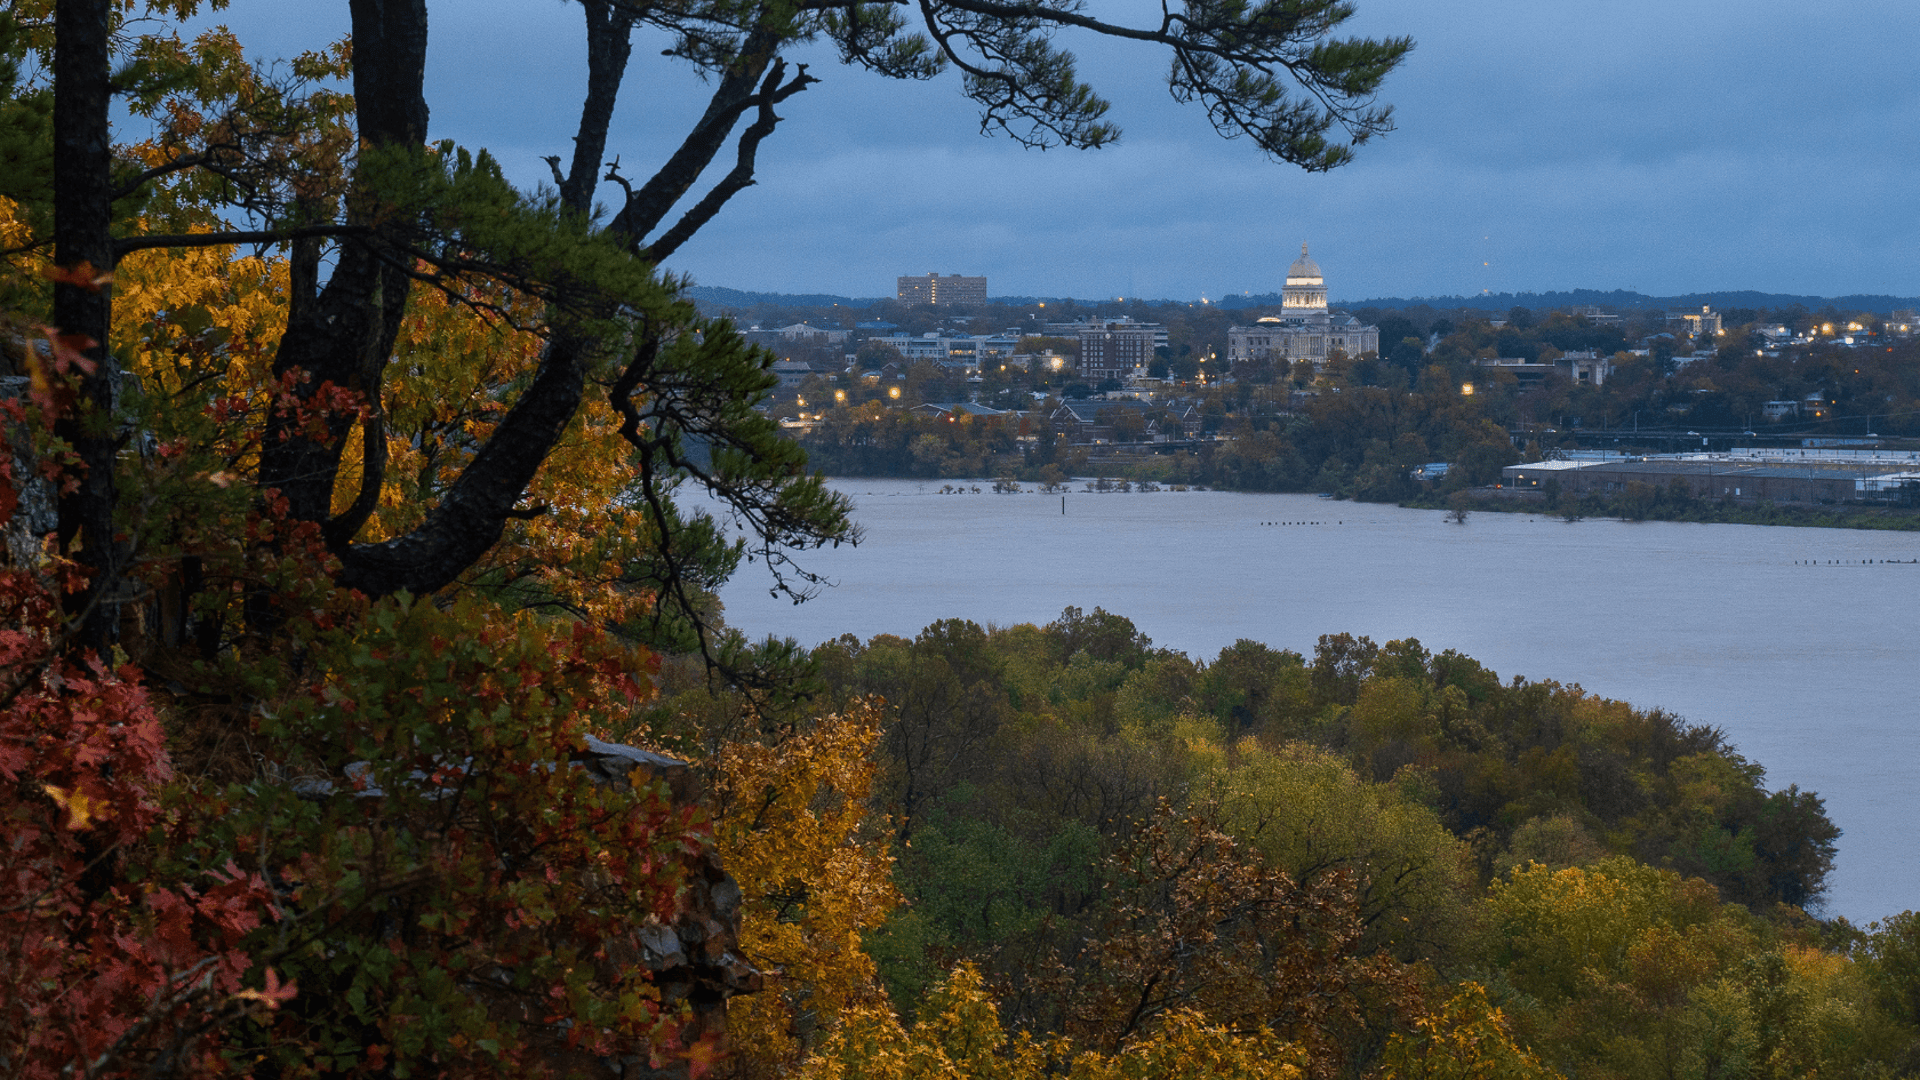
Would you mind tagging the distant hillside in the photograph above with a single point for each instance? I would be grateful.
(1619, 298)
(718, 297)
(721, 297)
(715, 296)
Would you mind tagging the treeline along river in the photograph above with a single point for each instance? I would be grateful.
(1799, 643)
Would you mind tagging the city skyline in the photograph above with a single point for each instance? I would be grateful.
(1663, 148)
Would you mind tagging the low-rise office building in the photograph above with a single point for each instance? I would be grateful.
(1757, 475)
(960, 351)
(1077, 327)
(1584, 368)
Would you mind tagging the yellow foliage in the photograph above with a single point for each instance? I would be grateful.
(14, 232)
(1185, 1046)
(1663, 965)
(1569, 927)
(1707, 782)
(185, 314)
(788, 827)
(1392, 709)
(1810, 1012)
(442, 397)
(959, 1035)
(1573, 920)
(1308, 812)
(203, 323)
(24, 293)
(454, 374)
(1467, 1039)
(1818, 967)
(1630, 970)
(869, 1044)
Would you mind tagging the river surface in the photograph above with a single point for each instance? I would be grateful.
(1799, 643)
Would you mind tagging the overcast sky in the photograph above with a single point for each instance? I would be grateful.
(1665, 146)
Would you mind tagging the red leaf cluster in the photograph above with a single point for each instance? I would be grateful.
(102, 971)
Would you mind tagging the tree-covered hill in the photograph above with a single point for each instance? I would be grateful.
(1100, 833)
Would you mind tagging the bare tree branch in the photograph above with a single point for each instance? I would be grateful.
(247, 236)
(731, 99)
(741, 177)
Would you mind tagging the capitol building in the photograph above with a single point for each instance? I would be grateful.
(1304, 329)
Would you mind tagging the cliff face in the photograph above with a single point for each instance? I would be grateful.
(696, 959)
(32, 514)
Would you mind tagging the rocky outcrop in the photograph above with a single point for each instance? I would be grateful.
(694, 961)
(34, 514)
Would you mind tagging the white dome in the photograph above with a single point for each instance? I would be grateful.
(1304, 267)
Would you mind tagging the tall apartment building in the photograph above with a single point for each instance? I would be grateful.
(1115, 350)
(954, 290)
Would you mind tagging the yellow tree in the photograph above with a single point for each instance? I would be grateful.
(198, 328)
(1309, 814)
(584, 542)
(1615, 964)
(790, 825)
(1467, 1039)
(959, 1034)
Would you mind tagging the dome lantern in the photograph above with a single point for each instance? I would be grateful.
(1304, 269)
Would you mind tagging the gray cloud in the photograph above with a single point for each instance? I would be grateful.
(1664, 145)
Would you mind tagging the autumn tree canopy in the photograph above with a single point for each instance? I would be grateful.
(365, 466)
(283, 366)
